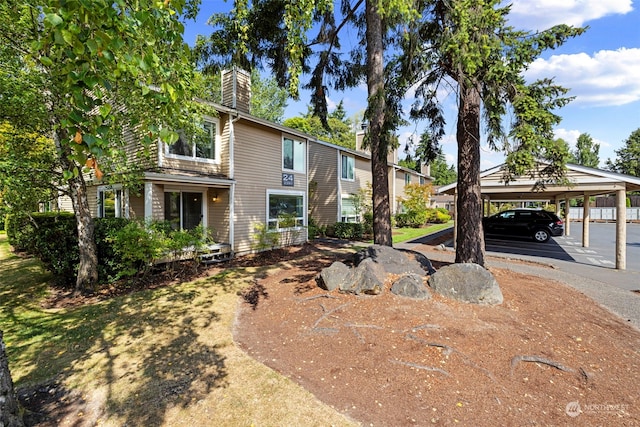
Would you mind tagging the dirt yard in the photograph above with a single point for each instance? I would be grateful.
(547, 356)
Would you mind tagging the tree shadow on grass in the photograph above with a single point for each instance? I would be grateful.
(134, 357)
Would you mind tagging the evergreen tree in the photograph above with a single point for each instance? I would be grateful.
(441, 172)
(628, 157)
(587, 151)
(276, 32)
(469, 44)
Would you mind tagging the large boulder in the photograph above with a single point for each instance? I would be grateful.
(468, 283)
(367, 278)
(424, 262)
(410, 286)
(336, 276)
(391, 260)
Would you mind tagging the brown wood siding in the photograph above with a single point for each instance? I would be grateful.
(136, 205)
(397, 180)
(92, 198)
(258, 168)
(225, 135)
(135, 150)
(157, 202)
(218, 214)
(65, 204)
(362, 177)
(323, 179)
(236, 89)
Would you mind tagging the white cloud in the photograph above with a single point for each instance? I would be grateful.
(331, 104)
(608, 77)
(571, 136)
(542, 14)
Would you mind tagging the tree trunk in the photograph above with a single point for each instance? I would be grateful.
(87, 276)
(470, 236)
(378, 141)
(9, 408)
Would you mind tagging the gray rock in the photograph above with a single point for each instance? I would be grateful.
(367, 278)
(410, 286)
(424, 262)
(392, 260)
(468, 283)
(335, 276)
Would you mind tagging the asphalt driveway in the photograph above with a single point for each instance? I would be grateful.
(600, 253)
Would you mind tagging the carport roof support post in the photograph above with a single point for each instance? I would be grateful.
(586, 210)
(621, 229)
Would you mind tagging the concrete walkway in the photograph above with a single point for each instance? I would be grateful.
(612, 289)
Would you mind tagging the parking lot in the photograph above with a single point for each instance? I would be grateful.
(601, 250)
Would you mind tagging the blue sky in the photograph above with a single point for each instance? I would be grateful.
(601, 67)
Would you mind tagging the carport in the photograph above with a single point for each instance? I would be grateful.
(585, 182)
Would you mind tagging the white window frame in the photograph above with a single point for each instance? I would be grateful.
(407, 178)
(299, 155)
(347, 217)
(351, 167)
(300, 221)
(216, 148)
(121, 201)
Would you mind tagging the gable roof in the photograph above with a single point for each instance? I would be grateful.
(301, 134)
(582, 179)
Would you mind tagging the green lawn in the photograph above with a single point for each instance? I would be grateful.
(155, 357)
(405, 234)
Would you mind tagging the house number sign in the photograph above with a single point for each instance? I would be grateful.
(287, 180)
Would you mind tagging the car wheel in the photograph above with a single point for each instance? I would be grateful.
(541, 236)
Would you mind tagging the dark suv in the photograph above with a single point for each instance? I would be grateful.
(535, 223)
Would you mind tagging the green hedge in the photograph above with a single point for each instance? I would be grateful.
(413, 219)
(348, 230)
(125, 248)
(53, 238)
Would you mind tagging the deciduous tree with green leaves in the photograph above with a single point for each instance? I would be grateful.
(467, 44)
(276, 33)
(29, 170)
(628, 157)
(587, 151)
(87, 70)
(339, 132)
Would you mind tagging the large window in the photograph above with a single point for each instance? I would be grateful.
(286, 210)
(348, 167)
(111, 202)
(183, 210)
(348, 212)
(201, 146)
(293, 155)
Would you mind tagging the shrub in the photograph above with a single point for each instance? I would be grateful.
(135, 248)
(55, 243)
(108, 261)
(264, 239)
(414, 219)
(14, 225)
(125, 248)
(315, 230)
(368, 223)
(348, 230)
